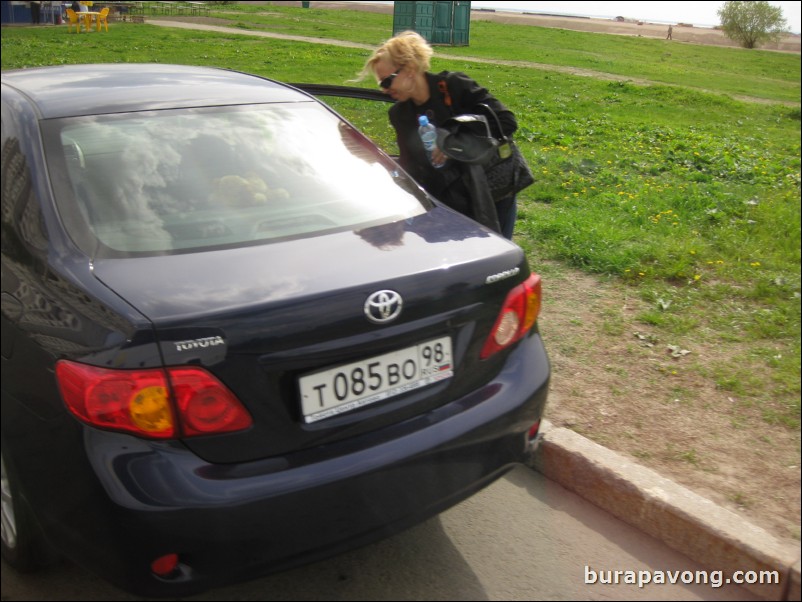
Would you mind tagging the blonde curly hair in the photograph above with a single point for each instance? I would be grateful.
(405, 49)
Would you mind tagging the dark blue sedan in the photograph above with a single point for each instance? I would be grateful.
(236, 336)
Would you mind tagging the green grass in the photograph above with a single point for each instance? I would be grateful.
(682, 192)
(761, 74)
(733, 71)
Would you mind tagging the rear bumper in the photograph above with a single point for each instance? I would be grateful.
(232, 522)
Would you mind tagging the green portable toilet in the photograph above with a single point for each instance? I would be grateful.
(446, 23)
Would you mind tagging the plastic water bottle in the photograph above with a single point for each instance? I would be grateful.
(428, 135)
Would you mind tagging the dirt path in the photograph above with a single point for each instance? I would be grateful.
(616, 382)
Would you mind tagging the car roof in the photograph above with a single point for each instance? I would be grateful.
(73, 90)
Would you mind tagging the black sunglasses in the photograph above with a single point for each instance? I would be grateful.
(388, 81)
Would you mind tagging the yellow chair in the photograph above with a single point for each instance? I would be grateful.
(73, 19)
(103, 19)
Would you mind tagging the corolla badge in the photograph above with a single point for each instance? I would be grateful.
(383, 306)
(502, 275)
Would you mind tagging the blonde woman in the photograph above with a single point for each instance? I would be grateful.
(401, 68)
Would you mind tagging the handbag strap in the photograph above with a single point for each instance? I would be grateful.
(442, 85)
(504, 137)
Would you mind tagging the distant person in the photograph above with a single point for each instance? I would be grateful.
(670, 32)
(36, 12)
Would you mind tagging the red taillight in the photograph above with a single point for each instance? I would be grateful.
(133, 401)
(158, 404)
(165, 565)
(206, 406)
(533, 432)
(518, 315)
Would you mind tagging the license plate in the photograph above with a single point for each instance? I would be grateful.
(345, 388)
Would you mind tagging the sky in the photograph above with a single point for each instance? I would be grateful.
(700, 12)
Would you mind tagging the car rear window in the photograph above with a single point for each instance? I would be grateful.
(181, 180)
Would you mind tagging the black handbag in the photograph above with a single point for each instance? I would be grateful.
(467, 138)
(507, 171)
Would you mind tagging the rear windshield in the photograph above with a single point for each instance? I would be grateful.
(195, 179)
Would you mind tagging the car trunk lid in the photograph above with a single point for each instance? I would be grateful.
(262, 317)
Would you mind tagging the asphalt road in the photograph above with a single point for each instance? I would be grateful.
(523, 538)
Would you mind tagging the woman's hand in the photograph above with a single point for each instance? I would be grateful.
(438, 157)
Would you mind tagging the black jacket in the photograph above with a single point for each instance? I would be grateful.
(446, 184)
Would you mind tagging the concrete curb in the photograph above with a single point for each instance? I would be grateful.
(685, 521)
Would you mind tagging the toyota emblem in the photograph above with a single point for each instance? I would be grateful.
(383, 306)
